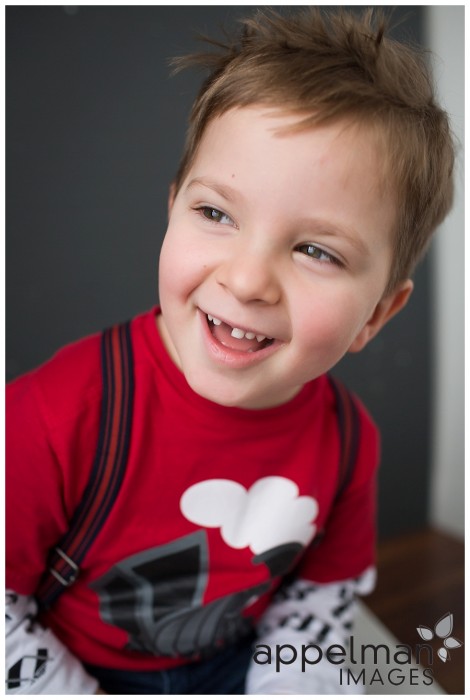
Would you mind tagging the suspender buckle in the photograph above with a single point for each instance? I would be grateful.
(72, 575)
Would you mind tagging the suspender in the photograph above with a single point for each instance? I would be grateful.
(108, 466)
(348, 424)
(111, 456)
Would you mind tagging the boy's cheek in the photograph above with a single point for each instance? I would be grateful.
(182, 256)
(325, 341)
(172, 266)
(330, 320)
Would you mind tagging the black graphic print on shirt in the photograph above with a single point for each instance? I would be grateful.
(157, 596)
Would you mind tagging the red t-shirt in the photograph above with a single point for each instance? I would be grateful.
(217, 505)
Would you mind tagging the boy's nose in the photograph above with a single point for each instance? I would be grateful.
(250, 276)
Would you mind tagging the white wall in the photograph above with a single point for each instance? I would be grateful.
(445, 37)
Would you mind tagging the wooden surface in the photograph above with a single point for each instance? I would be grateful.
(420, 580)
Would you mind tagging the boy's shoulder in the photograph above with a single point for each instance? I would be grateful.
(71, 380)
(340, 392)
(356, 426)
(64, 383)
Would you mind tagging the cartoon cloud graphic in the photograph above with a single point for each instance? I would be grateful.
(270, 514)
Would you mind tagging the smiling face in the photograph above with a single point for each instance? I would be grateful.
(276, 257)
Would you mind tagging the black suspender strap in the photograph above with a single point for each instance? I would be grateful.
(349, 436)
(348, 425)
(108, 467)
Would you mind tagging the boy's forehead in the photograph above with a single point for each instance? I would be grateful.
(282, 124)
(243, 132)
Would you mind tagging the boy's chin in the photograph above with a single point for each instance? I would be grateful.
(219, 394)
(224, 394)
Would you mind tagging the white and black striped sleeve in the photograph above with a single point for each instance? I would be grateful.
(37, 663)
(306, 613)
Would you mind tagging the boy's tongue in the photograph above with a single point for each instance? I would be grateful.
(223, 334)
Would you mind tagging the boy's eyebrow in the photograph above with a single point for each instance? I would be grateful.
(352, 238)
(328, 228)
(225, 191)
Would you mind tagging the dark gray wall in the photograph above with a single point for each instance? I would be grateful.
(95, 128)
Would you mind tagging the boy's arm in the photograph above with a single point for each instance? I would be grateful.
(306, 613)
(38, 504)
(37, 663)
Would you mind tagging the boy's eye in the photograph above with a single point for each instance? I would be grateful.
(215, 215)
(313, 251)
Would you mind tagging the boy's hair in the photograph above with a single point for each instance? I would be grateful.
(338, 66)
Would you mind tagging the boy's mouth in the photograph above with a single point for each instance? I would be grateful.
(237, 338)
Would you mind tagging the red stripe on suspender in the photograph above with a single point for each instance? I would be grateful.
(110, 461)
(109, 457)
(347, 428)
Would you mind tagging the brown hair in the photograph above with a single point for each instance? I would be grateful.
(329, 67)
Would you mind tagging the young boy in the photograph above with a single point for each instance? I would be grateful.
(316, 168)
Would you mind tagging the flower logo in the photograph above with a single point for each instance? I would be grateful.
(442, 629)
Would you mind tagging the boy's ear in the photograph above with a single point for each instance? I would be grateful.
(385, 310)
(171, 197)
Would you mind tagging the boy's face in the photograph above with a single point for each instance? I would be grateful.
(275, 236)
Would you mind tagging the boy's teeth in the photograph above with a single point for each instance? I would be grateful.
(238, 332)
